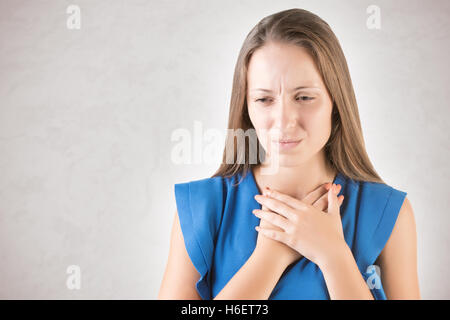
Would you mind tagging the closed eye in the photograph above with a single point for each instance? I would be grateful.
(305, 98)
(299, 98)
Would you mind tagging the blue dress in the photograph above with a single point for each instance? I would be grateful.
(219, 233)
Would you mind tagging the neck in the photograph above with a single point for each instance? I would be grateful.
(296, 180)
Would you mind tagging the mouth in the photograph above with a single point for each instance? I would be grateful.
(288, 141)
(287, 144)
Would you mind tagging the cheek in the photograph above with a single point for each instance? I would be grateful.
(317, 124)
(261, 122)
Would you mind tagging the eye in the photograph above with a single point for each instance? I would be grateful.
(263, 100)
(304, 98)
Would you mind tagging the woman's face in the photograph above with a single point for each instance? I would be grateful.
(287, 99)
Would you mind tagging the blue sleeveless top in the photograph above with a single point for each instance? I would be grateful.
(219, 233)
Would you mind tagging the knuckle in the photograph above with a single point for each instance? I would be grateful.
(304, 206)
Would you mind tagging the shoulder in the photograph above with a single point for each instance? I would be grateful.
(210, 189)
(204, 183)
(374, 209)
(204, 190)
(371, 189)
(201, 201)
(382, 204)
(376, 196)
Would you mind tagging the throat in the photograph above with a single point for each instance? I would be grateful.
(291, 185)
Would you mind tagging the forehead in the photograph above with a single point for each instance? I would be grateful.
(278, 65)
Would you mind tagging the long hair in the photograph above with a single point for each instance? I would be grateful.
(345, 149)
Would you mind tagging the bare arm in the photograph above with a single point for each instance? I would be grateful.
(343, 278)
(255, 280)
(180, 275)
(398, 260)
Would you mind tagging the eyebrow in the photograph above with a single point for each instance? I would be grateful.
(295, 89)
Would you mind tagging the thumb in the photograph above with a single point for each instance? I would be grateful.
(333, 202)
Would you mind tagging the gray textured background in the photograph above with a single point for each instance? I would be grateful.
(86, 118)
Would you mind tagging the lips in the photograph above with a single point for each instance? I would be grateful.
(286, 145)
(288, 141)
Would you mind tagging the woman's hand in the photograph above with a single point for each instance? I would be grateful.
(318, 198)
(307, 229)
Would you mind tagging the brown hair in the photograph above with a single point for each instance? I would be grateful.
(345, 148)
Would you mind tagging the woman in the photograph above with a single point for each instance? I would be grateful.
(326, 226)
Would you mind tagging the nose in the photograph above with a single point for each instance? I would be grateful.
(285, 115)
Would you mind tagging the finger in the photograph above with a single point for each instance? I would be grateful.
(274, 234)
(273, 218)
(333, 204)
(287, 199)
(265, 223)
(317, 194)
(322, 202)
(277, 206)
(341, 199)
(266, 209)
